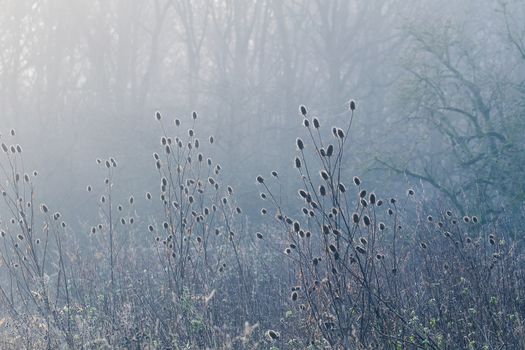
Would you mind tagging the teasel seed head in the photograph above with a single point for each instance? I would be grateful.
(357, 181)
(44, 208)
(410, 192)
(330, 150)
(423, 245)
(306, 123)
(355, 218)
(303, 110)
(360, 249)
(362, 193)
(324, 175)
(273, 335)
(297, 162)
(366, 220)
(342, 188)
(372, 198)
(466, 219)
(260, 179)
(300, 144)
(351, 105)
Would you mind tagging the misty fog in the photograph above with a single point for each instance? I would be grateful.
(261, 174)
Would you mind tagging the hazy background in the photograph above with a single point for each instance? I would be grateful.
(439, 85)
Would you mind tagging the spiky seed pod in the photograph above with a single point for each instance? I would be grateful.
(322, 152)
(230, 190)
(449, 213)
(326, 229)
(362, 193)
(296, 226)
(324, 175)
(194, 115)
(297, 162)
(88, 188)
(322, 190)
(93, 229)
(340, 133)
(364, 203)
(440, 224)
(303, 110)
(300, 144)
(273, 335)
(351, 105)
(363, 241)
(332, 248)
(287, 251)
(330, 150)
(379, 203)
(191, 132)
(316, 123)
(131, 200)
(336, 232)
(366, 220)
(360, 249)
(355, 218)
(492, 241)
(238, 210)
(263, 195)
(430, 218)
(264, 211)
(260, 179)
(410, 192)
(108, 165)
(306, 123)
(302, 193)
(342, 188)
(475, 219)
(4, 147)
(466, 219)
(18, 149)
(158, 116)
(382, 226)
(372, 198)
(259, 235)
(334, 131)
(44, 208)
(357, 181)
